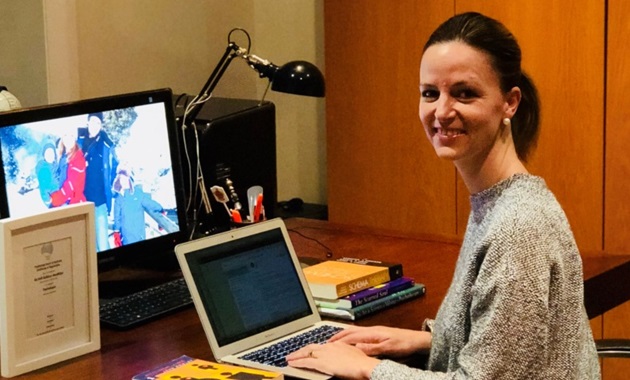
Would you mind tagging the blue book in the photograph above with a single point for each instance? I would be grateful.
(371, 307)
(367, 295)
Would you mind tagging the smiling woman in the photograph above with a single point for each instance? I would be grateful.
(481, 112)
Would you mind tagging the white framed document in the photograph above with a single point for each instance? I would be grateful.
(48, 288)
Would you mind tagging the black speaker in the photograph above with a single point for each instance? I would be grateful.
(237, 140)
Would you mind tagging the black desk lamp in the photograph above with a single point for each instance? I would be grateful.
(295, 77)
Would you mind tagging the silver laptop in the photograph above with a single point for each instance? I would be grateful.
(250, 292)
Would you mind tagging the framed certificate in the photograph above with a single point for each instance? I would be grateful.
(48, 288)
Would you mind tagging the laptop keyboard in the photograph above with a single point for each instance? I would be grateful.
(275, 354)
(137, 308)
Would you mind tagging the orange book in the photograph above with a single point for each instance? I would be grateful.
(334, 279)
(186, 367)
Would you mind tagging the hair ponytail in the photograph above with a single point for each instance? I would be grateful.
(526, 121)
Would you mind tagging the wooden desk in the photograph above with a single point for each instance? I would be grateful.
(428, 259)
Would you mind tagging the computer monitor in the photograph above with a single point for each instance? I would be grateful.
(119, 152)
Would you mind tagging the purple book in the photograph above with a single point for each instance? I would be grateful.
(367, 295)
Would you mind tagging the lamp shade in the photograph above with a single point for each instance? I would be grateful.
(299, 77)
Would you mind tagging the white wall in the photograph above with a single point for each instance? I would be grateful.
(141, 44)
(23, 51)
(62, 59)
(301, 129)
(89, 48)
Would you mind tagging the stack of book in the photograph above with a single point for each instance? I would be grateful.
(349, 288)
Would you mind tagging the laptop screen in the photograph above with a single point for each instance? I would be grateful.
(248, 285)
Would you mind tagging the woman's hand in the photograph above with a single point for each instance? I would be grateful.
(382, 340)
(350, 353)
(336, 359)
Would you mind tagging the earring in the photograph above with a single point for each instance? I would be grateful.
(507, 122)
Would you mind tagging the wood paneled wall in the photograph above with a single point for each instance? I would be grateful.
(617, 129)
(381, 169)
(617, 168)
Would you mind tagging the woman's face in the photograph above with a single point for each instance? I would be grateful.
(69, 139)
(461, 103)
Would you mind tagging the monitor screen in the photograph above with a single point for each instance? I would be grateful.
(119, 152)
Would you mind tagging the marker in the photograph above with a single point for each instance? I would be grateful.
(258, 208)
(236, 216)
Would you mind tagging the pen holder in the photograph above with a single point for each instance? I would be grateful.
(234, 208)
(235, 223)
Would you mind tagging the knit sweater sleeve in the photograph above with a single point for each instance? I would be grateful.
(508, 319)
(390, 370)
(509, 311)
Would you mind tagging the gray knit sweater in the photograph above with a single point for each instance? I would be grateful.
(515, 307)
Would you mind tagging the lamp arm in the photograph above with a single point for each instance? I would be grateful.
(232, 51)
(296, 77)
(264, 68)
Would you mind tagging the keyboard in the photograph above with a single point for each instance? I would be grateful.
(275, 354)
(138, 308)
